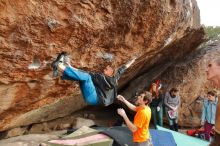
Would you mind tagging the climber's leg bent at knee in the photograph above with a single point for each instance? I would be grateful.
(85, 81)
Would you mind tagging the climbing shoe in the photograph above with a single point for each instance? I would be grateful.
(59, 59)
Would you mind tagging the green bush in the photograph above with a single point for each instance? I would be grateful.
(213, 33)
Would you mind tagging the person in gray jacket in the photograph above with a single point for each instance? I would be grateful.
(172, 103)
(96, 88)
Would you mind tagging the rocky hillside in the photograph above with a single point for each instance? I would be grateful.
(189, 75)
(93, 32)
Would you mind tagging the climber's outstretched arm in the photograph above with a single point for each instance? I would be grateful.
(129, 63)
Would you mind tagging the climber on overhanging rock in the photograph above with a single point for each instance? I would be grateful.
(97, 88)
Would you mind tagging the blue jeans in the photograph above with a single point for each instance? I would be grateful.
(85, 81)
(157, 116)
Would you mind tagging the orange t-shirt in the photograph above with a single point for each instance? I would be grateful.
(142, 120)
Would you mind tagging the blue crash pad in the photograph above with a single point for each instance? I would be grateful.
(185, 140)
(162, 138)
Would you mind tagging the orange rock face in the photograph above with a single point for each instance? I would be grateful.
(92, 32)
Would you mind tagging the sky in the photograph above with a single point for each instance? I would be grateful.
(209, 12)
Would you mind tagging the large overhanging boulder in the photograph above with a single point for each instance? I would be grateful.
(93, 32)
